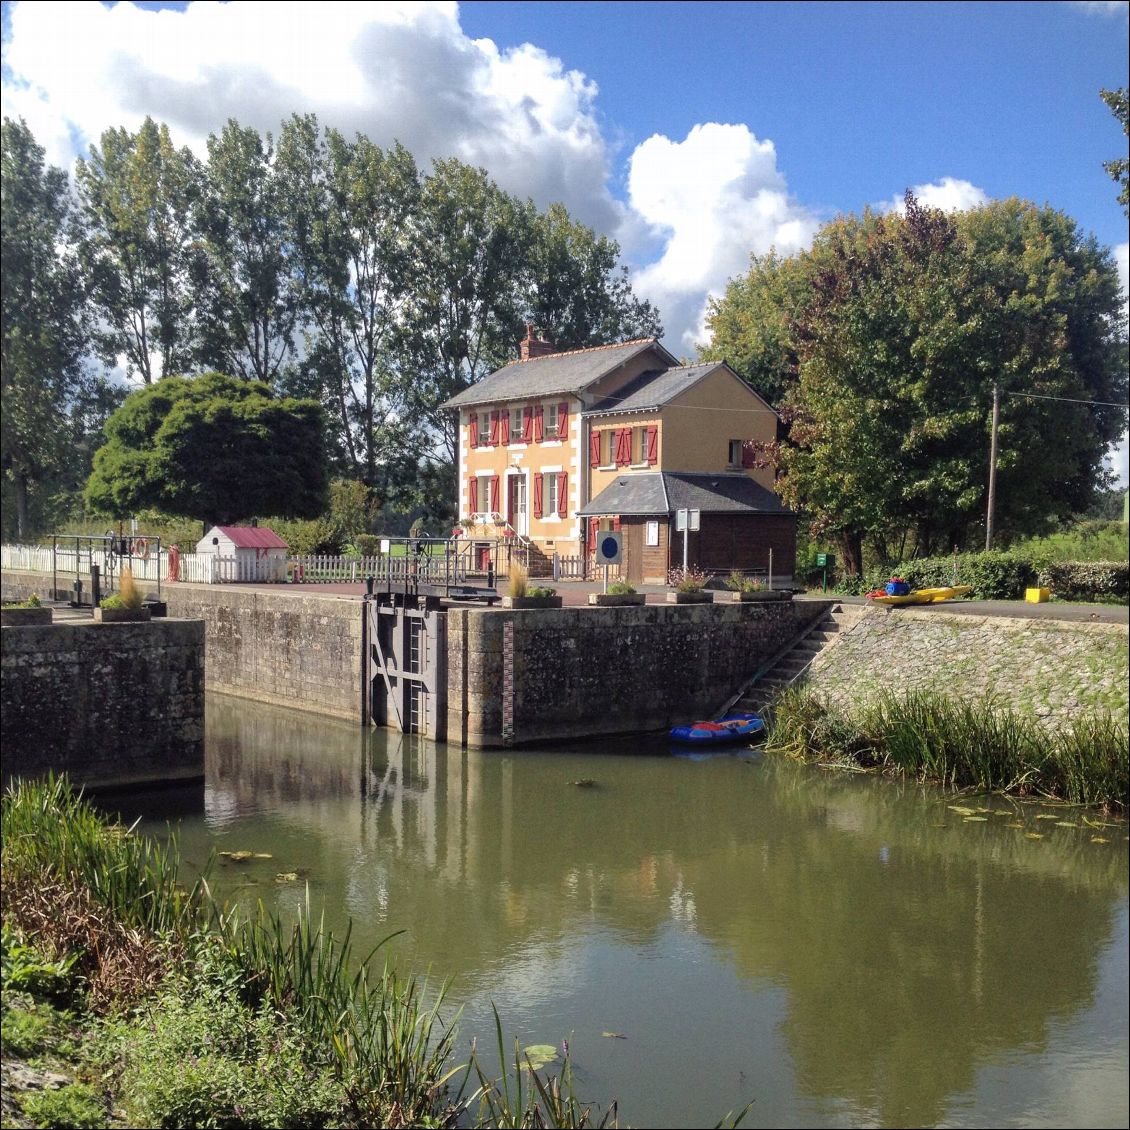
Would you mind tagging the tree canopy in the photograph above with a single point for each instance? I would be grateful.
(900, 326)
(213, 447)
(1119, 168)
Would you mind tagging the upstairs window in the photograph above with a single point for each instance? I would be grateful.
(552, 421)
(735, 453)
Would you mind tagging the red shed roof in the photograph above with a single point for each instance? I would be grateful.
(253, 537)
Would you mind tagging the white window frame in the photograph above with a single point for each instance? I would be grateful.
(651, 533)
(549, 494)
(516, 424)
(553, 420)
(484, 478)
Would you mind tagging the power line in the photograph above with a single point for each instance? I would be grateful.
(1067, 399)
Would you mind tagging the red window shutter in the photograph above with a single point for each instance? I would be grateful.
(495, 495)
(538, 495)
(504, 425)
(594, 449)
(623, 447)
(562, 494)
(527, 424)
(494, 426)
(473, 494)
(652, 445)
(749, 453)
(563, 419)
(539, 424)
(474, 429)
(616, 524)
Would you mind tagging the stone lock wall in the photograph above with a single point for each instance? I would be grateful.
(548, 675)
(111, 705)
(288, 648)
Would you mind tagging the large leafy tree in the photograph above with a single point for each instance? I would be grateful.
(139, 194)
(246, 295)
(901, 325)
(44, 327)
(1119, 168)
(213, 447)
(349, 205)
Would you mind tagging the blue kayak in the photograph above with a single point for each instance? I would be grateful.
(732, 728)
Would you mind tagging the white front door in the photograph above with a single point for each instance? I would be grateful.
(518, 513)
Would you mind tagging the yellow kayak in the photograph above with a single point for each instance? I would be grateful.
(924, 596)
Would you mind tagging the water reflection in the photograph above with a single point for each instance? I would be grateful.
(842, 950)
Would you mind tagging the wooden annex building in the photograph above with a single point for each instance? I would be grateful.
(555, 447)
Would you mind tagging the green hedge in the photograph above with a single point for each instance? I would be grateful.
(1001, 575)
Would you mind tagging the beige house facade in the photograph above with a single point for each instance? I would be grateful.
(543, 440)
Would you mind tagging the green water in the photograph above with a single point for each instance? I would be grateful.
(838, 949)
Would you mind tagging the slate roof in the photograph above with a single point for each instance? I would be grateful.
(253, 537)
(654, 388)
(660, 493)
(552, 375)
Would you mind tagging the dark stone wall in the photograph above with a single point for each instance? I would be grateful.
(108, 704)
(580, 672)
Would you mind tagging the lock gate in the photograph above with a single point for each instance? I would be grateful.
(406, 668)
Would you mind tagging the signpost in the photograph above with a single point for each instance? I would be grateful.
(825, 561)
(686, 520)
(609, 551)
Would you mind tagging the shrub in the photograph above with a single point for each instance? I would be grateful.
(540, 590)
(737, 581)
(691, 579)
(77, 1105)
(1086, 580)
(621, 588)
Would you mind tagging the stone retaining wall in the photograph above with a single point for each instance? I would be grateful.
(549, 675)
(1051, 668)
(108, 704)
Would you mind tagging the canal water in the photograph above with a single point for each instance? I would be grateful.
(838, 949)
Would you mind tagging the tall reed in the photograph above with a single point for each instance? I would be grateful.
(962, 743)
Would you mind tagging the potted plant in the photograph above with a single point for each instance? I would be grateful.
(521, 594)
(688, 586)
(125, 606)
(745, 589)
(25, 613)
(619, 593)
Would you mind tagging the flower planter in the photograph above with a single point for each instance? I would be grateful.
(23, 617)
(611, 599)
(760, 595)
(121, 615)
(531, 602)
(690, 598)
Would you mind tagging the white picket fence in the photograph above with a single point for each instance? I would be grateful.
(211, 569)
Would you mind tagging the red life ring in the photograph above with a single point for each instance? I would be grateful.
(140, 548)
(174, 563)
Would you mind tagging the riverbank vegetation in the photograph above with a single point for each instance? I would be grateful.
(965, 744)
(140, 1002)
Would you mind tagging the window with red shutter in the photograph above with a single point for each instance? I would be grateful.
(562, 494)
(473, 429)
(494, 429)
(539, 424)
(594, 449)
(495, 495)
(538, 495)
(563, 419)
(504, 427)
(472, 495)
(624, 447)
(527, 424)
(652, 445)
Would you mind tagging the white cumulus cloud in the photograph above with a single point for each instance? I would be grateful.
(714, 197)
(950, 194)
(394, 71)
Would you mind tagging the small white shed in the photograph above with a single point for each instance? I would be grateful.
(245, 553)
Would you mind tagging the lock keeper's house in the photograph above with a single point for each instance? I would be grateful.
(557, 446)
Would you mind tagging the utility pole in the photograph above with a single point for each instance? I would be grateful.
(993, 467)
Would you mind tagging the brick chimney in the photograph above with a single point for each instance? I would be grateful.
(533, 346)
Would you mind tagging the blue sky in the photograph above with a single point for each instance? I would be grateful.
(695, 134)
